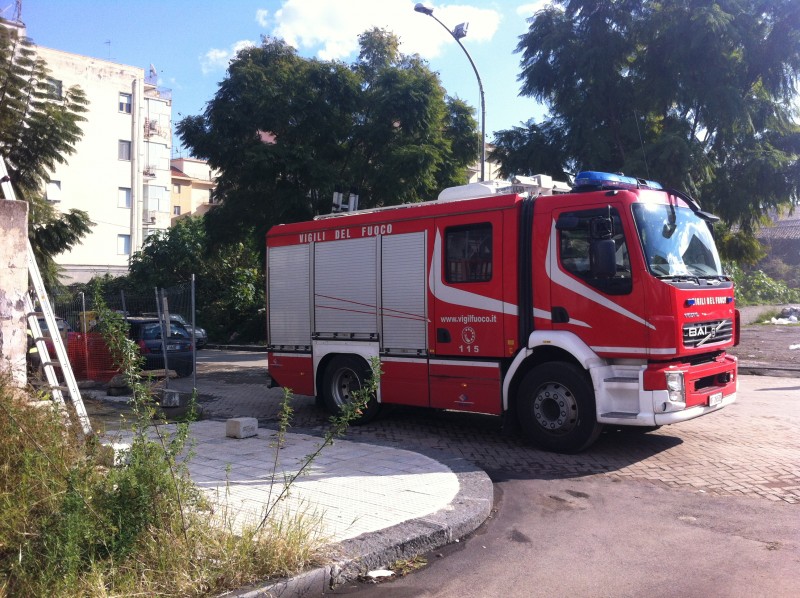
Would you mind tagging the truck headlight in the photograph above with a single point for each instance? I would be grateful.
(675, 387)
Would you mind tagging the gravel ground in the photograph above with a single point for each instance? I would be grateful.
(766, 347)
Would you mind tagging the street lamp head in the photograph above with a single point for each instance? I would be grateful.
(423, 9)
(460, 31)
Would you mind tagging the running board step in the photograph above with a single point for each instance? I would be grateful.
(620, 415)
(622, 380)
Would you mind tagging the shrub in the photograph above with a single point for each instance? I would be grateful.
(757, 288)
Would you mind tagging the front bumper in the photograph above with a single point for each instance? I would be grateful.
(701, 383)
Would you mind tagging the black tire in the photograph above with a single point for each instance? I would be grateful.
(184, 372)
(344, 375)
(556, 408)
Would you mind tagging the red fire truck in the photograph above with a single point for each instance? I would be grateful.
(563, 309)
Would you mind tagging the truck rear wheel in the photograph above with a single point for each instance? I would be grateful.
(344, 376)
(556, 408)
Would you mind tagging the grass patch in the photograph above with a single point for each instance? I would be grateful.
(765, 318)
(70, 527)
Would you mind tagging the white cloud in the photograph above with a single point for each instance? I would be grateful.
(262, 17)
(528, 10)
(216, 59)
(330, 30)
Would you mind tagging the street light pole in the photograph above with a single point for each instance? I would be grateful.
(457, 35)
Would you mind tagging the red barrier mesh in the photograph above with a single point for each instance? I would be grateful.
(90, 357)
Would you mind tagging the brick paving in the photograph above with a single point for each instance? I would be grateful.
(350, 489)
(751, 448)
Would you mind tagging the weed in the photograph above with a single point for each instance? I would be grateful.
(339, 424)
(405, 566)
(71, 527)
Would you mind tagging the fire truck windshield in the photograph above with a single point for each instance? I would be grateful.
(677, 243)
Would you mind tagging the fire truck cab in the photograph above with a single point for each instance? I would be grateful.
(561, 308)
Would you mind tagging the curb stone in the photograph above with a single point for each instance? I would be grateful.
(228, 347)
(466, 512)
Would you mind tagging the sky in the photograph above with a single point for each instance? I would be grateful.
(190, 42)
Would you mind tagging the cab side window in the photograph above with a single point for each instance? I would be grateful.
(468, 253)
(576, 246)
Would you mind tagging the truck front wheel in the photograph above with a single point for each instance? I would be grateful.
(556, 408)
(344, 376)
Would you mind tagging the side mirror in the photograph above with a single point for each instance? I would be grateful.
(601, 228)
(603, 258)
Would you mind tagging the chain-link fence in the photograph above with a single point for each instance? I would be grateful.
(87, 351)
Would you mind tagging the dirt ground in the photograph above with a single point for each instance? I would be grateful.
(767, 346)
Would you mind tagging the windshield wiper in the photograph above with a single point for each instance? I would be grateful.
(679, 278)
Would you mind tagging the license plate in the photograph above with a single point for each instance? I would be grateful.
(173, 348)
(715, 399)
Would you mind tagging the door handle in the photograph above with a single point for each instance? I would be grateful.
(559, 315)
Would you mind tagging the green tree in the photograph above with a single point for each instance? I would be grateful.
(694, 93)
(229, 278)
(39, 127)
(286, 131)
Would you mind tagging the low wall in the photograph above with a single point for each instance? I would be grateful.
(13, 286)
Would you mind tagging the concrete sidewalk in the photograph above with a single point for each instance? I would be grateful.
(376, 504)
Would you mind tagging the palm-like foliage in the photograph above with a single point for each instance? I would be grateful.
(700, 95)
(39, 127)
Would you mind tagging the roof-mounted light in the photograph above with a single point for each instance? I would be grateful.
(591, 179)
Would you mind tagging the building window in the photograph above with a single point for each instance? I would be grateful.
(156, 198)
(125, 103)
(123, 244)
(124, 150)
(56, 88)
(176, 188)
(468, 253)
(53, 191)
(176, 210)
(124, 197)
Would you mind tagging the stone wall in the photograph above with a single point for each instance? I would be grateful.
(13, 286)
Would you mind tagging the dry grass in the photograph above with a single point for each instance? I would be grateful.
(71, 528)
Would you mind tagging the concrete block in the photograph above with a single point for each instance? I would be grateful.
(241, 427)
(14, 286)
(114, 454)
(170, 398)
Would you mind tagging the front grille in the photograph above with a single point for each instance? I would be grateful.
(701, 334)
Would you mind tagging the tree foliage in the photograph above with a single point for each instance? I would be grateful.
(693, 93)
(286, 131)
(39, 127)
(229, 278)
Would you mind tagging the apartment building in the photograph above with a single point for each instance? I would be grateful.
(491, 169)
(192, 185)
(120, 171)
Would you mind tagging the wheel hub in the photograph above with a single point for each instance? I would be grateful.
(555, 408)
(345, 383)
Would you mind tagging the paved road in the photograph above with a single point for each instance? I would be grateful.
(751, 448)
(591, 537)
(704, 508)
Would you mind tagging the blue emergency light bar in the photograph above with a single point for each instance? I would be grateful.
(609, 180)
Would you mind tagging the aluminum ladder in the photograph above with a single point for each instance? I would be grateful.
(39, 293)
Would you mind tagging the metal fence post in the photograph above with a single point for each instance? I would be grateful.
(194, 341)
(85, 333)
(163, 336)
